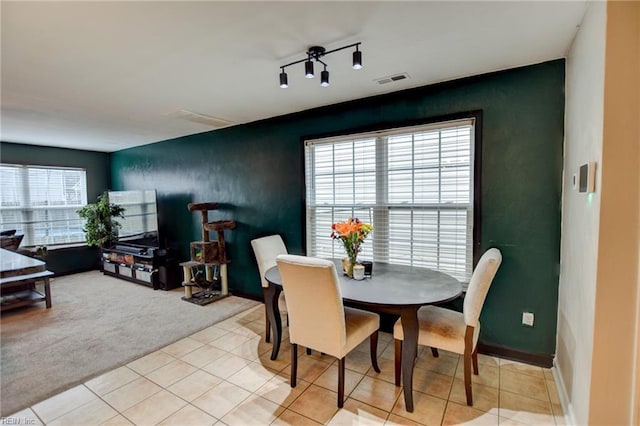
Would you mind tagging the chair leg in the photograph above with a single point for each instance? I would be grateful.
(434, 352)
(341, 382)
(308, 351)
(398, 360)
(467, 378)
(468, 355)
(294, 364)
(267, 331)
(373, 348)
(474, 358)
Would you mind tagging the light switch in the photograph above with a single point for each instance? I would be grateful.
(587, 177)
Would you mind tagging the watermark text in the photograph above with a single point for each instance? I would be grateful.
(17, 421)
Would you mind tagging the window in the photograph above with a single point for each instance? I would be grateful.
(41, 203)
(414, 185)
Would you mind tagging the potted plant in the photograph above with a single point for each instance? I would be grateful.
(101, 230)
(41, 252)
(352, 233)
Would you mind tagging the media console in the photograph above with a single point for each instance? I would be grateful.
(142, 264)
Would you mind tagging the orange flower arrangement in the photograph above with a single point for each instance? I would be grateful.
(352, 232)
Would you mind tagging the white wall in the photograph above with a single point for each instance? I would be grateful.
(580, 212)
(598, 310)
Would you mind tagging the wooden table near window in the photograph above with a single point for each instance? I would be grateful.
(18, 277)
(392, 289)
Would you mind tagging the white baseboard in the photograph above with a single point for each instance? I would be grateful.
(565, 401)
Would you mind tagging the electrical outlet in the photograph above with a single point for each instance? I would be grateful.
(527, 319)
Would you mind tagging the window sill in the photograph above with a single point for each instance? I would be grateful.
(56, 246)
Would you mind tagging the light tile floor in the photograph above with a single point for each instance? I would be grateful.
(223, 375)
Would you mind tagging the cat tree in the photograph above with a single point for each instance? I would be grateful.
(207, 269)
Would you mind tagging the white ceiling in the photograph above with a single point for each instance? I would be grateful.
(106, 76)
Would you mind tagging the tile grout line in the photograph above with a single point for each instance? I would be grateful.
(67, 412)
(446, 405)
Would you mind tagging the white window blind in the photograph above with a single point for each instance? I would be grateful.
(414, 185)
(41, 203)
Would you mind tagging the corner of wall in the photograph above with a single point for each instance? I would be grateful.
(565, 401)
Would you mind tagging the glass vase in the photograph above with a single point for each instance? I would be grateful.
(352, 261)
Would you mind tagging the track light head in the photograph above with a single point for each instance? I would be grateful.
(284, 81)
(357, 59)
(308, 69)
(324, 78)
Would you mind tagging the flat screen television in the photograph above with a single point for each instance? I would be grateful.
(140, 221)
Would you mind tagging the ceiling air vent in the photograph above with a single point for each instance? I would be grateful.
(200, 118)
(392, 78)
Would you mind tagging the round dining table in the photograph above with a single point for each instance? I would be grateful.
(392, 289)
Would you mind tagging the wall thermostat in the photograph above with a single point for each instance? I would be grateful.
(587, 177)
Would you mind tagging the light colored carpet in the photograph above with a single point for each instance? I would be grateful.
(96, 323)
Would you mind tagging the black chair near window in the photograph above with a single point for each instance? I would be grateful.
(11, 242)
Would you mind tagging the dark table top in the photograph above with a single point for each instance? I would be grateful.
(392, 285)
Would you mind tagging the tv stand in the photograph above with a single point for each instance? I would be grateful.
(130, 249)
(141, 264)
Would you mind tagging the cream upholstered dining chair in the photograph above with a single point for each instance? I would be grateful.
(266, 249)
(318, 319)
(455, 331)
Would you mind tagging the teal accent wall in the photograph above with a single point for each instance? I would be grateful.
(256, 172)
(70, 259)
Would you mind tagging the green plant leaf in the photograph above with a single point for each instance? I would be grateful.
(100, 228)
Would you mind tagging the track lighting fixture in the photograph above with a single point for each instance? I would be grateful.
(308, 68)
(324, 77)
(284, 81)
(357, 59)
(314, 54)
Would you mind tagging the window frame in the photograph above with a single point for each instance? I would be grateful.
(29, 227)
(475, 115)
